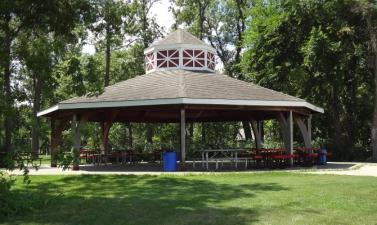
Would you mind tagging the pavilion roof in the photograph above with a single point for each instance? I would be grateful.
(179, 36)
(183, 87)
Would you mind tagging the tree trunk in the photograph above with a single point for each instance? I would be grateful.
(191, 132)
(36, 107)
(150, 131)
(203, 134)
(240, 29)
(108, 55)
(201, 19)
(57, 127)
(337, 135)
(130, 138)
(373, 42)
(374, 125)
(144, 24)
(105, 130)
(247, 130)
(7, 94)
(261, 128)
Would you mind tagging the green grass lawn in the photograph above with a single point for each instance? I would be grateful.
(263, 198)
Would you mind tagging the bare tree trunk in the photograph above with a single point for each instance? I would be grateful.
(202, 8)
(7, 91)
(374, 125)
(337, 135)
(247, 130)
(191, 131)
(105, 129)
(146, 42)
(261, 128)
(204, 139)
(106, 80)
(144, 24)
(150, 133)
(36, 107)
(108, 55)
(57, 127)
(130, 138)
(373, 42)
(240, 29)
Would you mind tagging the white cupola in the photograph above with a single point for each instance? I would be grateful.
(180, 50)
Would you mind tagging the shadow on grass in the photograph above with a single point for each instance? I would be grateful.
(143, 200)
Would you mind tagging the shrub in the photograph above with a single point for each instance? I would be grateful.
(12, 203)
(7, 201)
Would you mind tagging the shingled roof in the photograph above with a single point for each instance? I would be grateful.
(184, 87)
(172, 83)
(180, 37)
(184, 84)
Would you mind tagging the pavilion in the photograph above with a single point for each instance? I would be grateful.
(181, 86)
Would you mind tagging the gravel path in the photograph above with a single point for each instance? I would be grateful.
(337, 168)
(360, 169)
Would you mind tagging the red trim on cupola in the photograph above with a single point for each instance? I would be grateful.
(180, 55)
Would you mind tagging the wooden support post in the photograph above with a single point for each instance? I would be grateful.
(76, 126)
(57, 127)
(75, 133)
(305, 130)
(55, 139)
(284, 129)
(286, 125)
(183, 138)
(290, 123)
(261, 130)
(310, 129)
(257, 134)
(105, 130)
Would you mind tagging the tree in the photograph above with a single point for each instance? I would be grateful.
(114, 21)
(14, 16)
(316, 51)
(17, 17)
(147, 31)
(222, 23)
(194, 14)
(369, 12)
(36, 54)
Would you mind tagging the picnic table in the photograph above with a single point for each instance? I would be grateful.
(88, 154)
(119, 154)
(308, 156)
(27, 158)
(225, 154)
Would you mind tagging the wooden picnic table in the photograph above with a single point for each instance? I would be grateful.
(120, 153)
(88, 154)
(307, 156)
(211, 155)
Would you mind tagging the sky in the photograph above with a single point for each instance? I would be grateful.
(163, 17)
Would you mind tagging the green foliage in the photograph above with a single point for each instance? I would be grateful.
(7, 201)
(11, 203)
(66, 159)
(317, 51)
(221, 23)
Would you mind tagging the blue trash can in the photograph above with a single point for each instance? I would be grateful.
(322, 154)
(170, 161)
